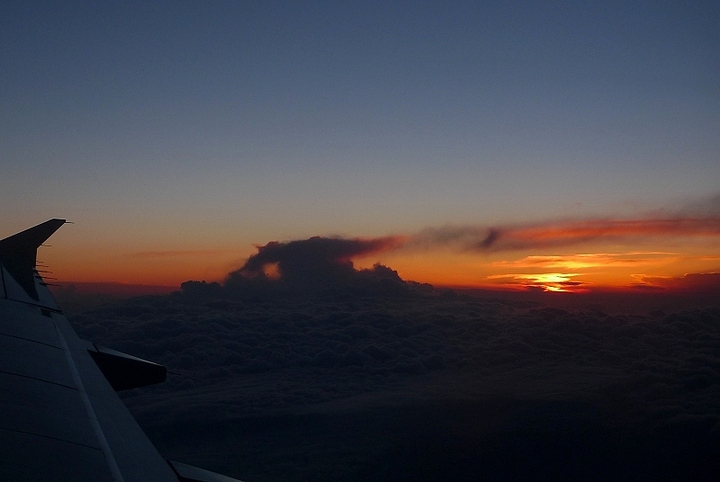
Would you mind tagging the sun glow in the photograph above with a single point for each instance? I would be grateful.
(576, 272)
(578, 261)
(603, 263)
(556, 282)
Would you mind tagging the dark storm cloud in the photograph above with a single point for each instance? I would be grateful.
(314, 257)
(312, 264)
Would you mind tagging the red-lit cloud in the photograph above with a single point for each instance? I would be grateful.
(632, 247)
(590, 260)
(564, 234)
(557, 282)
(179, 253)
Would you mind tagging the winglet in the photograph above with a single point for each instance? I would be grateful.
(18, 254)
(25, 243)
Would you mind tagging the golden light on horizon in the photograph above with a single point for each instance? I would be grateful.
(602, 264)
(556, 282)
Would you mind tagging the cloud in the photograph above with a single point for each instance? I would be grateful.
(700, 218)
(326, 263)
(589, 260)
(179, 253)
(313, 264)
(557, 282)
(254, 359)
(313, 256)
(695, 283)
(259, 370)
(704, 207)
(562, 234)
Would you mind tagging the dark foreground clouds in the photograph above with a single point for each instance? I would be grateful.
(426, 386)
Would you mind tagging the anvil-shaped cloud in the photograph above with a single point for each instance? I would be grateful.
(314, 263)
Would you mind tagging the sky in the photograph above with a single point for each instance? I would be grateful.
(559, 145)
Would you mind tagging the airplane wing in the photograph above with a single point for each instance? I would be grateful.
(60, 418)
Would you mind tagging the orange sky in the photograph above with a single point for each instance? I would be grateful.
(507, 145)
(555, 256)
(559, 271)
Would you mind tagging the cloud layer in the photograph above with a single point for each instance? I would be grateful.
(483, 386)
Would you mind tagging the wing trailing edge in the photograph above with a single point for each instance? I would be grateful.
(125, 371)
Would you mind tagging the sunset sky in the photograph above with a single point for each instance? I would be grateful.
(563, 145)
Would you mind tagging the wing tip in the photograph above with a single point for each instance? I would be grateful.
(30, 239)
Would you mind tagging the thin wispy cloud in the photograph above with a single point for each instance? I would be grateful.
(558, 282)
(588, 260)
(699, 219)
(562, 234)
(180, 253)
(530, 237)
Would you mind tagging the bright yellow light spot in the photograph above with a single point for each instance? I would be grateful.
(547, 277)
(557, 282)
